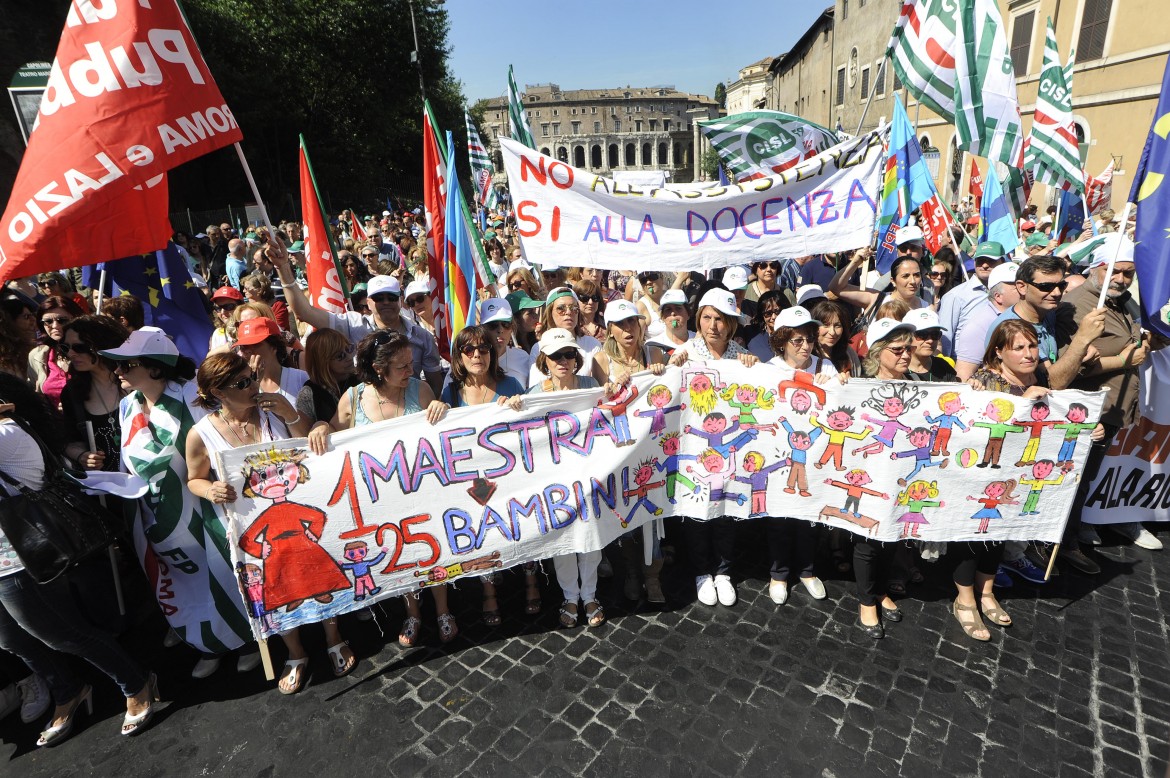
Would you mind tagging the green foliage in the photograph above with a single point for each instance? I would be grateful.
(709, 163)
(721, 95)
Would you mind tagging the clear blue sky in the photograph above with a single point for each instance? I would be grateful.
(610, 43)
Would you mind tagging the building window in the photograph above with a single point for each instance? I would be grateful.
(637, 125)
(556, 128)
(662, 155)
(844, 10)
(612, 155)
(597, 128)
(556, 111)
(579, 156)
(879, 79)
(593, 111)
(666, 125)
(574, 111)
(864, 83)
(653, 125)
(577, 131)
(1022, 42)
(1094, 26)
(543, 151)
(544, 130)
(647, 161)
(897, 81)
(563, 154)
(617, 125)
(840, 85)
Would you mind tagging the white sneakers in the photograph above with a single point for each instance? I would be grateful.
(815, 587)
(778, 591)
(1138, 535)
(725, 591)
(706, 590)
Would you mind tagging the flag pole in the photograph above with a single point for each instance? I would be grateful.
(1113, 257)
(102, 499)
(255, 191)
(101, 293)
(873, 91)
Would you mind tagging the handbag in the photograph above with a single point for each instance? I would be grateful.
(53, 528)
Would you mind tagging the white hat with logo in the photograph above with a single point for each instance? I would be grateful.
(797, 316)
(884, 328)
(620, 310)
(383, 285)
(494, 309)
(720, 300)
(735, 278)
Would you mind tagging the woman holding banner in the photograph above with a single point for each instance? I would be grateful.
(712, 541)
(389, 390)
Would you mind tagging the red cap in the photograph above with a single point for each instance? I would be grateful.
(1028, 226)
(255, 331)
(227, 293)
(973, 220)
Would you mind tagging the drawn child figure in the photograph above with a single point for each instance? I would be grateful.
(746, 399)
(252, 584)
(854, 486)
(890, 400)
(659, 398)
(363, 579)
(715, 431)
(922, 439)
(642, 486)
(801, 442)
(839, 422)
(916, 497)
(717, 478)
(1073, 428)
(803, 385)
(800, 402)
(671, 446)
(757, 479)
(995, 494)
(950, 403)
(1040, 472)
(1036, 426)
(703, 384)
(616, 403)
(999, 411)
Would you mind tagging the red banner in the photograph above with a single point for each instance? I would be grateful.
(321, 272)
(435, 206)
(129, 97)
(357, 229)
(1099, 191)
(935, 223)
(975, 185)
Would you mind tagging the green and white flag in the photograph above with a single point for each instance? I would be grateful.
(517, 119)
(1053, 153)
(482, 170)
(920, 49)
(758, 144)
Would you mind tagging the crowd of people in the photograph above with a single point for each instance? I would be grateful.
(104, 391)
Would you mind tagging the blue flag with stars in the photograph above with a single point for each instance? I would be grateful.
(906, 185)
(1151, 196)
(170, 299)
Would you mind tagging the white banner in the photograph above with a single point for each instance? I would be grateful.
(572, 217)
(1133, 483)
(400, 505)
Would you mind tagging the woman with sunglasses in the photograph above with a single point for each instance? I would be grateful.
(240, 414)
(52, 283)
(941, 276)
(389, 390)
(495, 316)
(558, 361)
(905, 284)
(521, 279)
(925, 363)
(329, 363)
(261, 342)
(767, 276)
(46, 363)
(596, 276)
(417, 304)
(478, 379)
(592, 304)
(765, 310)
(224, 302)
(156, 417)
(94, 392)
(562, 309)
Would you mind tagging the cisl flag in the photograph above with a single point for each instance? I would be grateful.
(326, 290)
(129, 97)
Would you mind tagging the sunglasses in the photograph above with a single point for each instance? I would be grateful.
(928, 335)
(499, 325)
(773, 265)
(771, 313)
(345, 353)
(1047, 287)
(76, 348)
(564, 355)
(647, 277)
(897, 350)
(799, 342)
(934, 274)
(369, 256)
(595, 299)
(49, 321)
(226, 307)
(417, 300)
(514, 285)
(483, 348)
(243, 383)
(127, 366)
(385, 297)
(47, 283)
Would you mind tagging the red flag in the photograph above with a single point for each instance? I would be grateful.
(357, 229)
(324, 277)
(435, 206)
(1099, 191)
(129, 97)
(975, 186)
(935, 223)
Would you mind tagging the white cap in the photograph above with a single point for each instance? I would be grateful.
(883, 328)
(923, 319)
(808, 292)
(520, 264)
(910, 234)
(673, 297)
(620, 310)
(722, 301)
(149, 342)
(494, 309)
(417, 286)
(556, 339)
(385, 213)
(549, 267)
(735, 278)
(382, 285)
(1045, 219)
(797, 316)
(1002, 274)
(1114, 243)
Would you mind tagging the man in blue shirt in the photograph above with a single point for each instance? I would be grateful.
(957, 304)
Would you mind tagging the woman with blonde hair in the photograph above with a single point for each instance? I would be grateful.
(329, 363)
(521, 279)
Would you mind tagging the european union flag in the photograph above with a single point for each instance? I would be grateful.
(998, 223)
(906, 186)
(170, 298)
(1151, 196)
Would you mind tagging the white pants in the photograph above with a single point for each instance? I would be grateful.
(571, 566)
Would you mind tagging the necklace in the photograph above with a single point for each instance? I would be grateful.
(401, 402)
(243, 425)
(485, 393)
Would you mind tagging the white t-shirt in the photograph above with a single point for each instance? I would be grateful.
(817, 366)
(21, 460)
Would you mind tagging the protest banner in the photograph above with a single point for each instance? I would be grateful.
(575, 218)
(401, 505)
(1133, 483)
(129, 97)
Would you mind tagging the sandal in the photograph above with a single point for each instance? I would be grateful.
(408, 637)
(568, 617)
(973, 624)
(596, 616)
(293, 676)
(342, 664)
(997, 614)
(491, 616)
(448, 629)
(532, 604)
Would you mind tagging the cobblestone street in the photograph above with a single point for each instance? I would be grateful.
(1079, 686)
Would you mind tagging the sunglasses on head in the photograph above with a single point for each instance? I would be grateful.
(76, 348)
(243, 383)
(1047, 287)
(385, 297)
(564, 355)
(482, 348)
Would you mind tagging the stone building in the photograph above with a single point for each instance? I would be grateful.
(747, 93)
(1121, 49)
(603, 130)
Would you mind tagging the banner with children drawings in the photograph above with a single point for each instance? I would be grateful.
(401, 505)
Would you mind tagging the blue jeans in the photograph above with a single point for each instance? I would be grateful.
(40, 624)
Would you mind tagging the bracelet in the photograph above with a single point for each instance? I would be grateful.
(287, 286)
(294, 421)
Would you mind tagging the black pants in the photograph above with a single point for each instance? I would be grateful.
(974, 557)
(871, 562)
(792, 544)
(1092, 467)
(711, 544)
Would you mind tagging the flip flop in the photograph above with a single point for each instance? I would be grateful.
(341, 664)
(296, 672)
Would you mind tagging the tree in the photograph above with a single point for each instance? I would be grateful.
(721, 95)
(709, 163)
